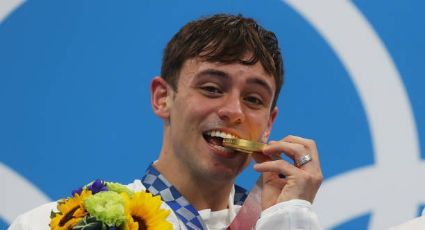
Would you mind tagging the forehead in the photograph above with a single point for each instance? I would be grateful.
(193, 68)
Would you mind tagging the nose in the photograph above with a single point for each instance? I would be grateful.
(231, 110)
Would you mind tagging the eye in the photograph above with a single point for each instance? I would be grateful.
(211, 90)
(254, 101)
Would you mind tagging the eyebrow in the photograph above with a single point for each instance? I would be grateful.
(223, 75)
(213, 72)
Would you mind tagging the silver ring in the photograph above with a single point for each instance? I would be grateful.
(304, 160)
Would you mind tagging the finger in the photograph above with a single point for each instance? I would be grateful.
(304, 160)
(278, 166)
(309, 144)
(297, 152)
(311, 147)
(292, 150)
(260, 158)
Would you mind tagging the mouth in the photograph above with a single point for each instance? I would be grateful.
(215, 139)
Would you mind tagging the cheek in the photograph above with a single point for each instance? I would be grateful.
(189, 111)
(258, 124)
(197, 108)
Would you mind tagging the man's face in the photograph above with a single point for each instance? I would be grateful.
(215, 100)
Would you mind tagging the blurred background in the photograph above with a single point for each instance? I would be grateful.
(74, 97)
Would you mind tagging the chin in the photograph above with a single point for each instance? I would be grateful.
(225, 172)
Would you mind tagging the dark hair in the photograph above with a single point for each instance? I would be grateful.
(226, 39)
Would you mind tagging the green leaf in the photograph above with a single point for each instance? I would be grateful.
(89, 223)
(53, 214)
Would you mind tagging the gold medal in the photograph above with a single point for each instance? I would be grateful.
(242, 145)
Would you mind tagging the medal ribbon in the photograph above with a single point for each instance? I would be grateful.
(156, 184)
(250, 211)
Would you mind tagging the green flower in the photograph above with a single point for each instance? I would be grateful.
(107, 207)
(118, 188)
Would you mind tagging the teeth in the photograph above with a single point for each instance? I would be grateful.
(223, 149)
(220, 134)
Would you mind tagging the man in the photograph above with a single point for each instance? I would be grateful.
(220, 78)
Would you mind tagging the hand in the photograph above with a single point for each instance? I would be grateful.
(299, 183)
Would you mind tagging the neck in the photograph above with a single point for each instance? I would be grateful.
(202, 193)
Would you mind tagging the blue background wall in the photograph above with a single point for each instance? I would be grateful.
(74, 94)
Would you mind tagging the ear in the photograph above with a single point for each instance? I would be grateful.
(272, 118)
(160, 94)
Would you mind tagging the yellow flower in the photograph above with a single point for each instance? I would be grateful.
(144, 212)
(71, 211)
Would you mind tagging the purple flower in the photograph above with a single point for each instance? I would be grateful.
(97, 186)
(77, 191)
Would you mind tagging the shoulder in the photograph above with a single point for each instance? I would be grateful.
(417, 223)
(37, 218)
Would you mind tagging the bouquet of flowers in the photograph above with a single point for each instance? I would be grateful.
(109, 206)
